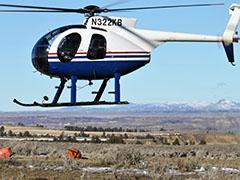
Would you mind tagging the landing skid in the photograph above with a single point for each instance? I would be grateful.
(24, 104)
(34, 104)
(73, 101)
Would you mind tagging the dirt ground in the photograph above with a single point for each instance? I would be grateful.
(48, 160)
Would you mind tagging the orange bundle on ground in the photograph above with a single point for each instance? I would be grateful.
(74, 153)
(6, 153)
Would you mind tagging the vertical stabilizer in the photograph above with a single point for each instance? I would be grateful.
(229, 36)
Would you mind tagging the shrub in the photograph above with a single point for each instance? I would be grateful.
(95, 139)
(27, 134)
(176, 142)
(202, 142)
(148, 136)
(2, 129)
(115, 139)
(104, 134)
(10, 133)
(138, 142)
(20, 134)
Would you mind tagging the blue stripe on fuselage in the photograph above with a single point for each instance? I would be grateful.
(94, 69)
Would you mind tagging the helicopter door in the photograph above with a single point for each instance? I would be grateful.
(97, 48)
(68, 47)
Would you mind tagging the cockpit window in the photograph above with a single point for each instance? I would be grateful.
(51, 36)
(97, 48)
(68, 47)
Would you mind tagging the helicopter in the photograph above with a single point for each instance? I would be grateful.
(106, 47)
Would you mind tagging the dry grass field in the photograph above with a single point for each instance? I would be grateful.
(217, 158)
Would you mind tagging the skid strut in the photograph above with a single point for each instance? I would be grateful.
(73, 100)
(73, 89)
(59, 91)
(117, 77)
(101, 90)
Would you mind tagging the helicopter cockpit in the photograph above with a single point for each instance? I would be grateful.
(65, 53)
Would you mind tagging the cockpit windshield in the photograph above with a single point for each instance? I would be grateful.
(49, 38)
(41, 49)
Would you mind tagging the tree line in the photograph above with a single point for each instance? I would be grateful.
(101, 129)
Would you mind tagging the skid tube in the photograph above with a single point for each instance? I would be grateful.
(36, 104)
(24, 104)
(73, 102)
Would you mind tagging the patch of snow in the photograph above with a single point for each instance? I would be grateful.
(214, 168)
(110, 170)
(227, 170)
(231, 170)
(202, 169)
(97, 169)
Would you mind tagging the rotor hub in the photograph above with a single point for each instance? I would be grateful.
(91, 10)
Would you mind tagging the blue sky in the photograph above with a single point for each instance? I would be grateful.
(178, 72)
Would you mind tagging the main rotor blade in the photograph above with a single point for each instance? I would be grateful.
(43, 8)
(33, 11)
(165, 7)
(92, 9)
(118, 3)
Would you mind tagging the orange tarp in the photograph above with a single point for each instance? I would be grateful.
(74, 153)
(6, 153)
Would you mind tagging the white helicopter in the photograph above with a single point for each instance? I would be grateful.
(107, 47)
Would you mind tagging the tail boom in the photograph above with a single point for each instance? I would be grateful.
(227, 39)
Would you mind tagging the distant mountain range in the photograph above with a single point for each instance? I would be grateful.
(220, 106)
(222, 116)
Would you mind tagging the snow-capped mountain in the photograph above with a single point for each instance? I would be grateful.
(224, 105)
(221, 105)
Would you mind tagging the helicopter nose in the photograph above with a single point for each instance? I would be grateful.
(40, 56)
